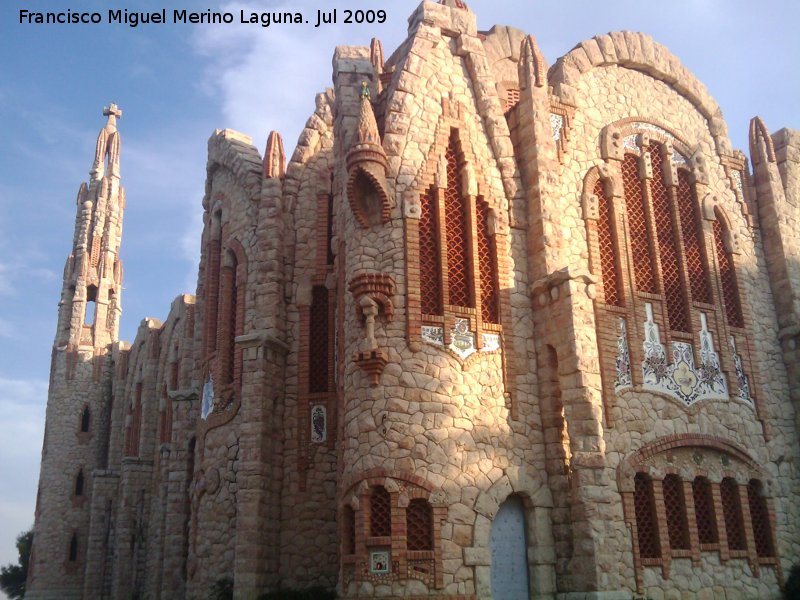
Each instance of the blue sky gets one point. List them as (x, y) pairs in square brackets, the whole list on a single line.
[(176, 84)]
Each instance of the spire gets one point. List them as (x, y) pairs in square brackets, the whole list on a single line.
[(274, 157), (366, 166), (113, 112)]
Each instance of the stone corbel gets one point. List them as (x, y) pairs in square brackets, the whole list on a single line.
[(611, 143), (412, 208), (470, 183), (697, 164), (669, 166), (645, 165), (547, 289)]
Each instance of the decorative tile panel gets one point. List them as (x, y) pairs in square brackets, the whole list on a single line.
[(319, 424), (462, 339), (557, 124), (680, 378), (743, 383), (208, 398), (623, 361)]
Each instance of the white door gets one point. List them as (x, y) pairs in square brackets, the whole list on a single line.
[(509, 552)]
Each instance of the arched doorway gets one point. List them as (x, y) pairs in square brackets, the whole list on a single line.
[(509, 552)]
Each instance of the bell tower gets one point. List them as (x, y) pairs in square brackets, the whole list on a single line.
[(79, 398)]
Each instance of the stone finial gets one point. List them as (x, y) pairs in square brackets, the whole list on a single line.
[(376, 55), (274, 157), (113, 112), (455, 4), (366, 167), (532, 68), (759, 134)]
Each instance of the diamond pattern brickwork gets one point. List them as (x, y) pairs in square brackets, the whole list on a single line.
[(692, 245), (640, 242), (704, 511), (487, 265), (677, 309), (727, 275), (318, 341), (429, 267), (456, 234), (732, 513), (762, 532), (419, 521), (646, 524), (608, 267), (675, 504), (380, 513)]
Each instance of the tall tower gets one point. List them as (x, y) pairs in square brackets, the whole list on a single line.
[(78, 404)]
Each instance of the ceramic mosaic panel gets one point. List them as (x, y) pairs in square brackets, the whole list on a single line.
[(681, 378), (319, 424), (623, 361), (557, 124), (743, 383), (208, 398)]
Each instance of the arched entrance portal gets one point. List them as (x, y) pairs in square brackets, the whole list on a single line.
[(509, 552)]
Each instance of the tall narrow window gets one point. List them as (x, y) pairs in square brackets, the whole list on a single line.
[(677, 309), (704, 511), (419, 525), (605, 238), (429, 268), (675, 503), (692, 239), (349, 533), (72, 555), (457, 234), (79, 483), (134, 427), (318, 353), (762, 531), (329, 236), (646, 524), (727, 275), (643, 264), (86, 419), (229, 314), (213, 250), (487, 264), (380, 513), (732, 513), (91, 305)]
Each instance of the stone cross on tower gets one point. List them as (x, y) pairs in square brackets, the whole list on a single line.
[(113, 112)]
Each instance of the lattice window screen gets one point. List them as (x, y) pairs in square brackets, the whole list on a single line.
[(727, 275), (692, 240), (419, 521), (430, 277), (677, 309), (732, 513), (704, 511), (457, 233), (318, 353), (487, 265), (646, 523), (608, 266), (380, 513), (762, 532), (643, 269), (675, 503)]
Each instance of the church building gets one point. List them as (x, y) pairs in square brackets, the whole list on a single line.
[(494, 330)]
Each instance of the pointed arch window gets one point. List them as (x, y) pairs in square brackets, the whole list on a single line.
[(646, 522), (86, 420), (72, 552), (79, 481), (727, 274), (458, 256), (230, 320), (612, 284), (319, 356)]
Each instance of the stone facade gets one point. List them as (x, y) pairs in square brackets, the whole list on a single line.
[(477, 284)]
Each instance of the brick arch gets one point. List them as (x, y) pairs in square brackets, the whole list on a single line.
[(639, 52), (628, 468), (379, 476)]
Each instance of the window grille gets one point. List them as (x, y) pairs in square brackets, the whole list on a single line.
[(643, 269), (675, 504), (608, 267), (704, 511), (646, 523), (456, 233), (727, 275), (380, 513), (677, 309), (487, 264), (318, 341), (429, 258), (419, 521), (732, 513), (692, 240), (762, 532)]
